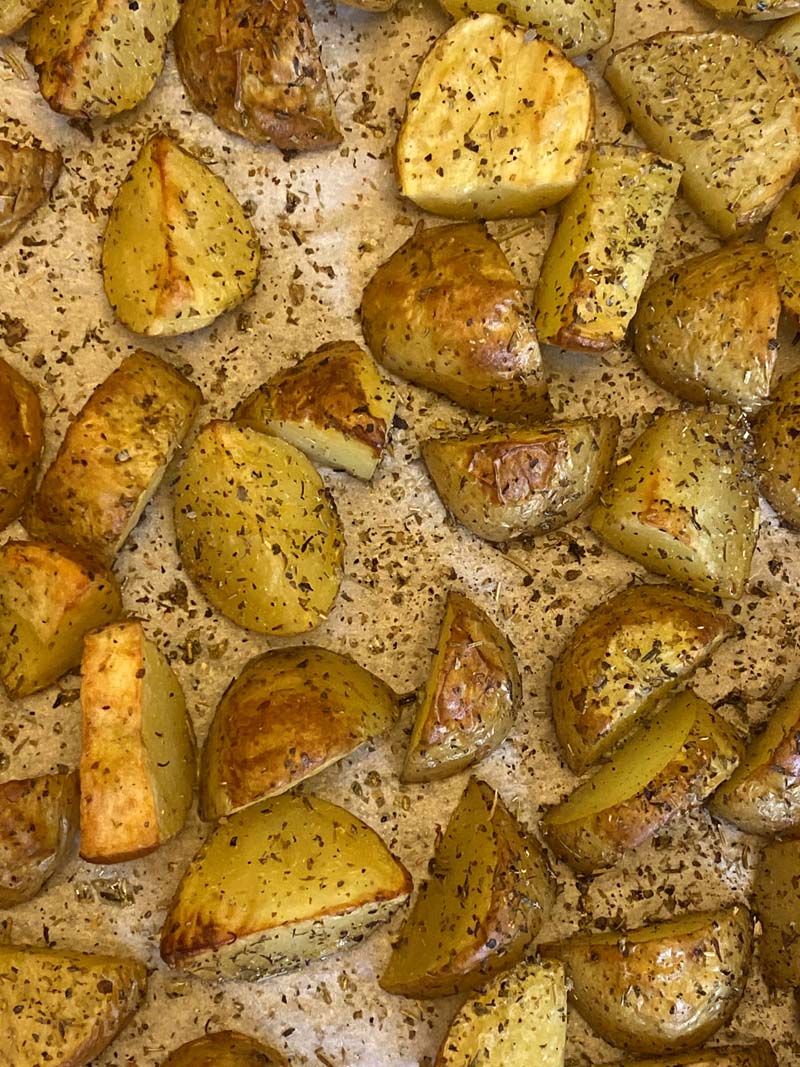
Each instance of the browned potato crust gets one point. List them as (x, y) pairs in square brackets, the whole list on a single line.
[(27, 177), (21, 440), (776, 430), (225, 1048)]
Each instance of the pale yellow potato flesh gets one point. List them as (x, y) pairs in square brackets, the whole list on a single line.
[(758, 1055), (784, 36), (225, 1048), (783, 240), (15, 14), (752, 10), (21, 442), (576, 28), (776, 429), (776, 901)]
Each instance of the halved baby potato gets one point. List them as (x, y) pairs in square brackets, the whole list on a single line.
[(576, 28), (225, 1048), (758, 1055), (28, 174), (783, 240), (776, 901), (15, 13), (498, 123), (21, 441), (776, 430)]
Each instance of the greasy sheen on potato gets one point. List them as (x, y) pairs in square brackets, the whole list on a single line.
[(499, 123), (280, 884), (255, 68), (27, 177), (776, 901), (601, 253), (725, 107), (178, 249), (776, 430), (576, 28), (525, 480), (489, 893), (783, 240), (21, 441), (225, 1048), (15, 13), (113, 456), (446, 311), (257, 530), (758, 1055)]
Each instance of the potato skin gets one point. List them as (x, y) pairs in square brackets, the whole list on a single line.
[(574, 28), (784, 37), (752, 10), (776, 901), (27, 177), (21, 441), (225, 1048), (783, 233), (758, 1055), (775, 432)]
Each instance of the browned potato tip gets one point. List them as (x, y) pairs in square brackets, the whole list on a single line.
[(27, 177), (21, 441), (15, 13), (225, 1048), (758, 1055), (775, 432), (576, 28)]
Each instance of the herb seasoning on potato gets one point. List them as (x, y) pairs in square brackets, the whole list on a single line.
[(225, 1048), (776, 429), (21, 442), (576, 28)]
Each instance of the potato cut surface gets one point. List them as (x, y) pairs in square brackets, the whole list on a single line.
[(21, 442), (225, 1048), (775, 432), (576, 28)]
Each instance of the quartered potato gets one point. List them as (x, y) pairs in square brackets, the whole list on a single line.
[(663, 987), (138, 762), (27, 177), (51, 596), (280, 884), (603, 247), (38, 823), (681, 502), (471, 697), (257, 530), (96, 58), (15, 13), (783, 240), (708, 329), (776, 901), (725, 107), (254, 67), (489, 892), (178, 249), (21, 441), (624, 657), (776, 430), (334, 405), (225, 1048), (758, 1055), (498, 123), (114, 455), (291, 713), (514, 482), (576, 28), (784, 36), (446, 311)]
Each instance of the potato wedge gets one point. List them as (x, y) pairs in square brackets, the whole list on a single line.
[(64, 1008), (471, 697), (489, 892), (784, 37), (138, 755), (28, 175), (38, 824), (776, 901), (267, 550), (15, 14), (574, 28), (683, 505), (663, 987), (21, 441), (518, 1020), (499, 123), (752, 10), (50, 597), (775, 432), (783, 239), (666, 767), (758, 1055), (708, 330), (114, 456), (291, 713), (178, 249), (446, 311), (623, 659), (334, 405), (519, 482), (280, 884), (225, 1048), (603, 247), (725, 107), (255, 68)]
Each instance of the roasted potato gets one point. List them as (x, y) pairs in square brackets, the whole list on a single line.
[(777, 904), (776, 429), (114, 455), (603, 247), (515, 482), (38, 823), (752, 10), (15, 14), (225, 1048), (574, 28), (50, 597), (291, 713), (666, 767), (21, 440), (784, 36), (498, 123), (334, 405), (489, 892), (725, 107), (446, 311), (471, 697), (783, 240), (27, 177), (758, 1055), (280, 884), (178, 249), (663, 987), (518, 1020), (708, 330), (255, 68), (681, 502), (257, 531)]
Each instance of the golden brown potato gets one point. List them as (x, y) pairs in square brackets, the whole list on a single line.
[(178, 249), (489, 892), (280, 884), (334, 405), (752, 10), (446, 311), (758, 1055), (603, 247), (784, 36), (291, 713), (576, 28), (255, 68), (708, 329), (783, 240), (498, 123), (21, 440), (663, 987), (15, 13), (471, 697), (624, 657), (51, 596), (225, 1048), (27, 177), (519, 482), (113, 456), (725, 107), (38, 823), (682, 502), (776, 429), (776, 901)]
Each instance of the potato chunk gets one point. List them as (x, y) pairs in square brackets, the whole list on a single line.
[(775, 432), (27, 177), (752, 10), (21, 441), (725, 107), (498, 124), (758, 1055), (784, 37), (15, 13), (576, 28), (783, 241), (225, 1048), (777, 904)]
